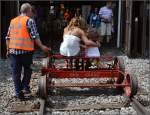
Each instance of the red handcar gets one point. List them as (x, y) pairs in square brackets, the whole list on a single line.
[(81, 67)]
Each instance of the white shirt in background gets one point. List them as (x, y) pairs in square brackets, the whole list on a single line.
[(106, 12)]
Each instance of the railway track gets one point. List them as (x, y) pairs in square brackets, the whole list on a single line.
[(81, 107), (101, 106), (42, 106), (137, 106), (45, 108)]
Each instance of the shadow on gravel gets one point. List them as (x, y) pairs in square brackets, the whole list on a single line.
[(88, 92), (62, 96)]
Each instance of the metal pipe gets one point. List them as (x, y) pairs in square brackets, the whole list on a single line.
[(119, 19), (135, 45), (0, 32), (87, 85), (18, 7), (140, 109)]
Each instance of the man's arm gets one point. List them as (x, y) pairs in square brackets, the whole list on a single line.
[(7, 44), (35, 35), (7, 38), (7, 41), (43, 47)]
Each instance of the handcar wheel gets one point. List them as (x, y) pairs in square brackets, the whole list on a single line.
[(118, 61), (43, 87), (134, 84), (132, 79), (122, 69), (120, 81), (121, 64)]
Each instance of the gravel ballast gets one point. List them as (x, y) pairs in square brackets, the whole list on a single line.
[(139, 67)]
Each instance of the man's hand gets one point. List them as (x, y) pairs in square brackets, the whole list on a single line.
[(7, 53), (45, 48)]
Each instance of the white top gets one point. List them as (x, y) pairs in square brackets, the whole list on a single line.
[(70, 45), (92, 52), (107, 12)]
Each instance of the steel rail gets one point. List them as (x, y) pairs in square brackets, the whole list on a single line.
[(42, 107), (84, 85), (139, 108)]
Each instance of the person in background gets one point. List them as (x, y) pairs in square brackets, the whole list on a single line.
[(67, 15), (106, 16), (95, 19), (34, 12), (78, 15), (20, 39)]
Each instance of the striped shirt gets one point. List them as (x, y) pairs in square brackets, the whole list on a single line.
[(31, 26), (106, 12)]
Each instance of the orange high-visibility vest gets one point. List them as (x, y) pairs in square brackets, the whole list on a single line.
[(19, 35)]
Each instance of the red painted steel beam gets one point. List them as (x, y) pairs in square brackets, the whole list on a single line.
[(80, 57), (53, 73), (87, 85)]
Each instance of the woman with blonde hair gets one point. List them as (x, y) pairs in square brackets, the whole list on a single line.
[(73, 35)]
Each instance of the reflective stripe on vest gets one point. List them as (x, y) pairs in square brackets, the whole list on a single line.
[(19, 35)]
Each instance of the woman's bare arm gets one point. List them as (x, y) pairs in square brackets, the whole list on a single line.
[(86, 40)]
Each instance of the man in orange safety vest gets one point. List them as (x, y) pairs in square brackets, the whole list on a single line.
[(20, 39)]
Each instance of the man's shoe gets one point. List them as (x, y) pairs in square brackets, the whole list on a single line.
[(26, 91), (20, 96), (27, 94)]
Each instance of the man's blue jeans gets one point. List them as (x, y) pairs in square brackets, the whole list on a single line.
[(19, 62)]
